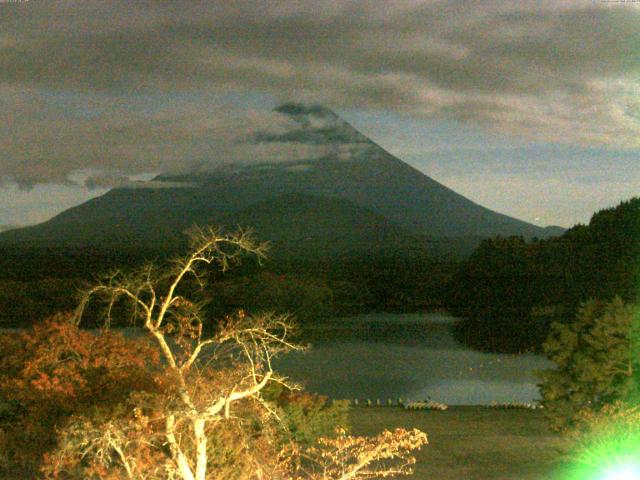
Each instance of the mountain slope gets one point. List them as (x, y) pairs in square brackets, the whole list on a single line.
[(347, 172), (302, 225)]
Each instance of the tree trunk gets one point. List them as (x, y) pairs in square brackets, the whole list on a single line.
[(201, 448), (176, 452)]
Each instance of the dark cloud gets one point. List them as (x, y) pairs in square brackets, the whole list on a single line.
[(49, 137), (552, 70)]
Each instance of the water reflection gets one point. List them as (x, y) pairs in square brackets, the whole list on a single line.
[(412, 356)]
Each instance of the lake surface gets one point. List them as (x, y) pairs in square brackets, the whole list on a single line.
[(413, 356)]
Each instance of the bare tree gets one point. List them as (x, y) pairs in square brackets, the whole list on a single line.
[(207, 377), (165, 315)]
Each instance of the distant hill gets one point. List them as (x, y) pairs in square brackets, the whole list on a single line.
[(354, 196)]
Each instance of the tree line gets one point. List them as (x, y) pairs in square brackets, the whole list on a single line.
[(510, 291), (37, 283)]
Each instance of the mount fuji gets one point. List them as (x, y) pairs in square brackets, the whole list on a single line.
[(348, 195)]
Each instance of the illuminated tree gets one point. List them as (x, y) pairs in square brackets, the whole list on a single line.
[(208, 417), (347, 457)]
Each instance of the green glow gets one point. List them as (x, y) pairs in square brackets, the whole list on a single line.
[(611, 452), (625, 471)]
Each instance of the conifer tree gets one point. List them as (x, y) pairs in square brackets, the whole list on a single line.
[(596, 358)]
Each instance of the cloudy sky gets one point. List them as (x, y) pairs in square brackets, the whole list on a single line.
[(531, 108)]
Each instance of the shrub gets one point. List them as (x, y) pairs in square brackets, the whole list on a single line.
[(53, 371), (308, 416), (345, 457), (595, 360)]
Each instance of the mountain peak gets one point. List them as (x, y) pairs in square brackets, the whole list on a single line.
[(301, 109), (315, 125)]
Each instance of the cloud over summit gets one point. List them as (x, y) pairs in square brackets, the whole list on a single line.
[(132, 87)]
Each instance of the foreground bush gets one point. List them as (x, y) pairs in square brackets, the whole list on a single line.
[(54, 371), (307, 416), (597, 362)]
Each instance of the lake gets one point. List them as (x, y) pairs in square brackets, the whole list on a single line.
[(413, 356)]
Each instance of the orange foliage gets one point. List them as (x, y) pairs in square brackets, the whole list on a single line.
[(63, 364), (54, 370), (348, 457), (94, 406)]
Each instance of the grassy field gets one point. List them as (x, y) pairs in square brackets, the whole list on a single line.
[(473, 443)]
